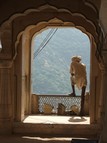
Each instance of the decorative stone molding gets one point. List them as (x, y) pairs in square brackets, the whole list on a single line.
[(6, 40), (105, 43), (6, 63), (30, 17), (104, 55), (71, 5)]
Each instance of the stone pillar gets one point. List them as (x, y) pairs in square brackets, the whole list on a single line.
[(103, 21), (103, 100), (35, 104), (6, 97), (103, 15)]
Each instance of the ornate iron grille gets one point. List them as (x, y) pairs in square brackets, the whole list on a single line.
[(53, 100)]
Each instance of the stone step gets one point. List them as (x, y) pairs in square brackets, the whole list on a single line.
[(62, 130)]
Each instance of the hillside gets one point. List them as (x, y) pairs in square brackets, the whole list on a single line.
[(50, 67)]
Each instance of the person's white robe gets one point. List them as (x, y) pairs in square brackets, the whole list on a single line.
[(79, 71)]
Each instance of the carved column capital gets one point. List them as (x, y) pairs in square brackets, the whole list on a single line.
[(103, 100), (104, 55), (103, 63), (6, 63)]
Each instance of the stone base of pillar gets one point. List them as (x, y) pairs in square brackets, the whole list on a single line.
[(5, 126)]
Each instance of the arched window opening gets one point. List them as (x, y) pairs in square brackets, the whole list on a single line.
[(52, 51)]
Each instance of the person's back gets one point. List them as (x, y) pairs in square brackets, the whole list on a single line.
[(78, 78), (79, 68), (79, 71)]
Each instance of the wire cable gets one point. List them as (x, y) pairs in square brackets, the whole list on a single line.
[(45, 41)]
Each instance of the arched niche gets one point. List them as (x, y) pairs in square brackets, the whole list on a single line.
[(21, 27), (24, 39), (18, 22)]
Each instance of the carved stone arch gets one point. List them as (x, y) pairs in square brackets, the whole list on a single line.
[(19, 22), (32, 29), (77, 18), (17, 25), (55, 22)]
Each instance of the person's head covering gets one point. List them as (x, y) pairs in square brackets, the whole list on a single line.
[(76, 58)]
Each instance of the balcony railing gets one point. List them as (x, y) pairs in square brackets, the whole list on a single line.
[(38, 102)]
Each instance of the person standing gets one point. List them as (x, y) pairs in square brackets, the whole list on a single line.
[(78, 78)]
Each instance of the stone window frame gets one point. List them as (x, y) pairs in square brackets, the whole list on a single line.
[(29, 33), (14, 38)]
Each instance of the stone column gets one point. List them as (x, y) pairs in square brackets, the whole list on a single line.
[(103, 22), (35, 104), (103, 15), (103, 100), (6, 97)]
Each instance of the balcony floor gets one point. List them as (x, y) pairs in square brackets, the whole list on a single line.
[(57, 126), (54, 119)]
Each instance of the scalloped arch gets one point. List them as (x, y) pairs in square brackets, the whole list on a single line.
[(77, 18), (91, 7), (45, 14)]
